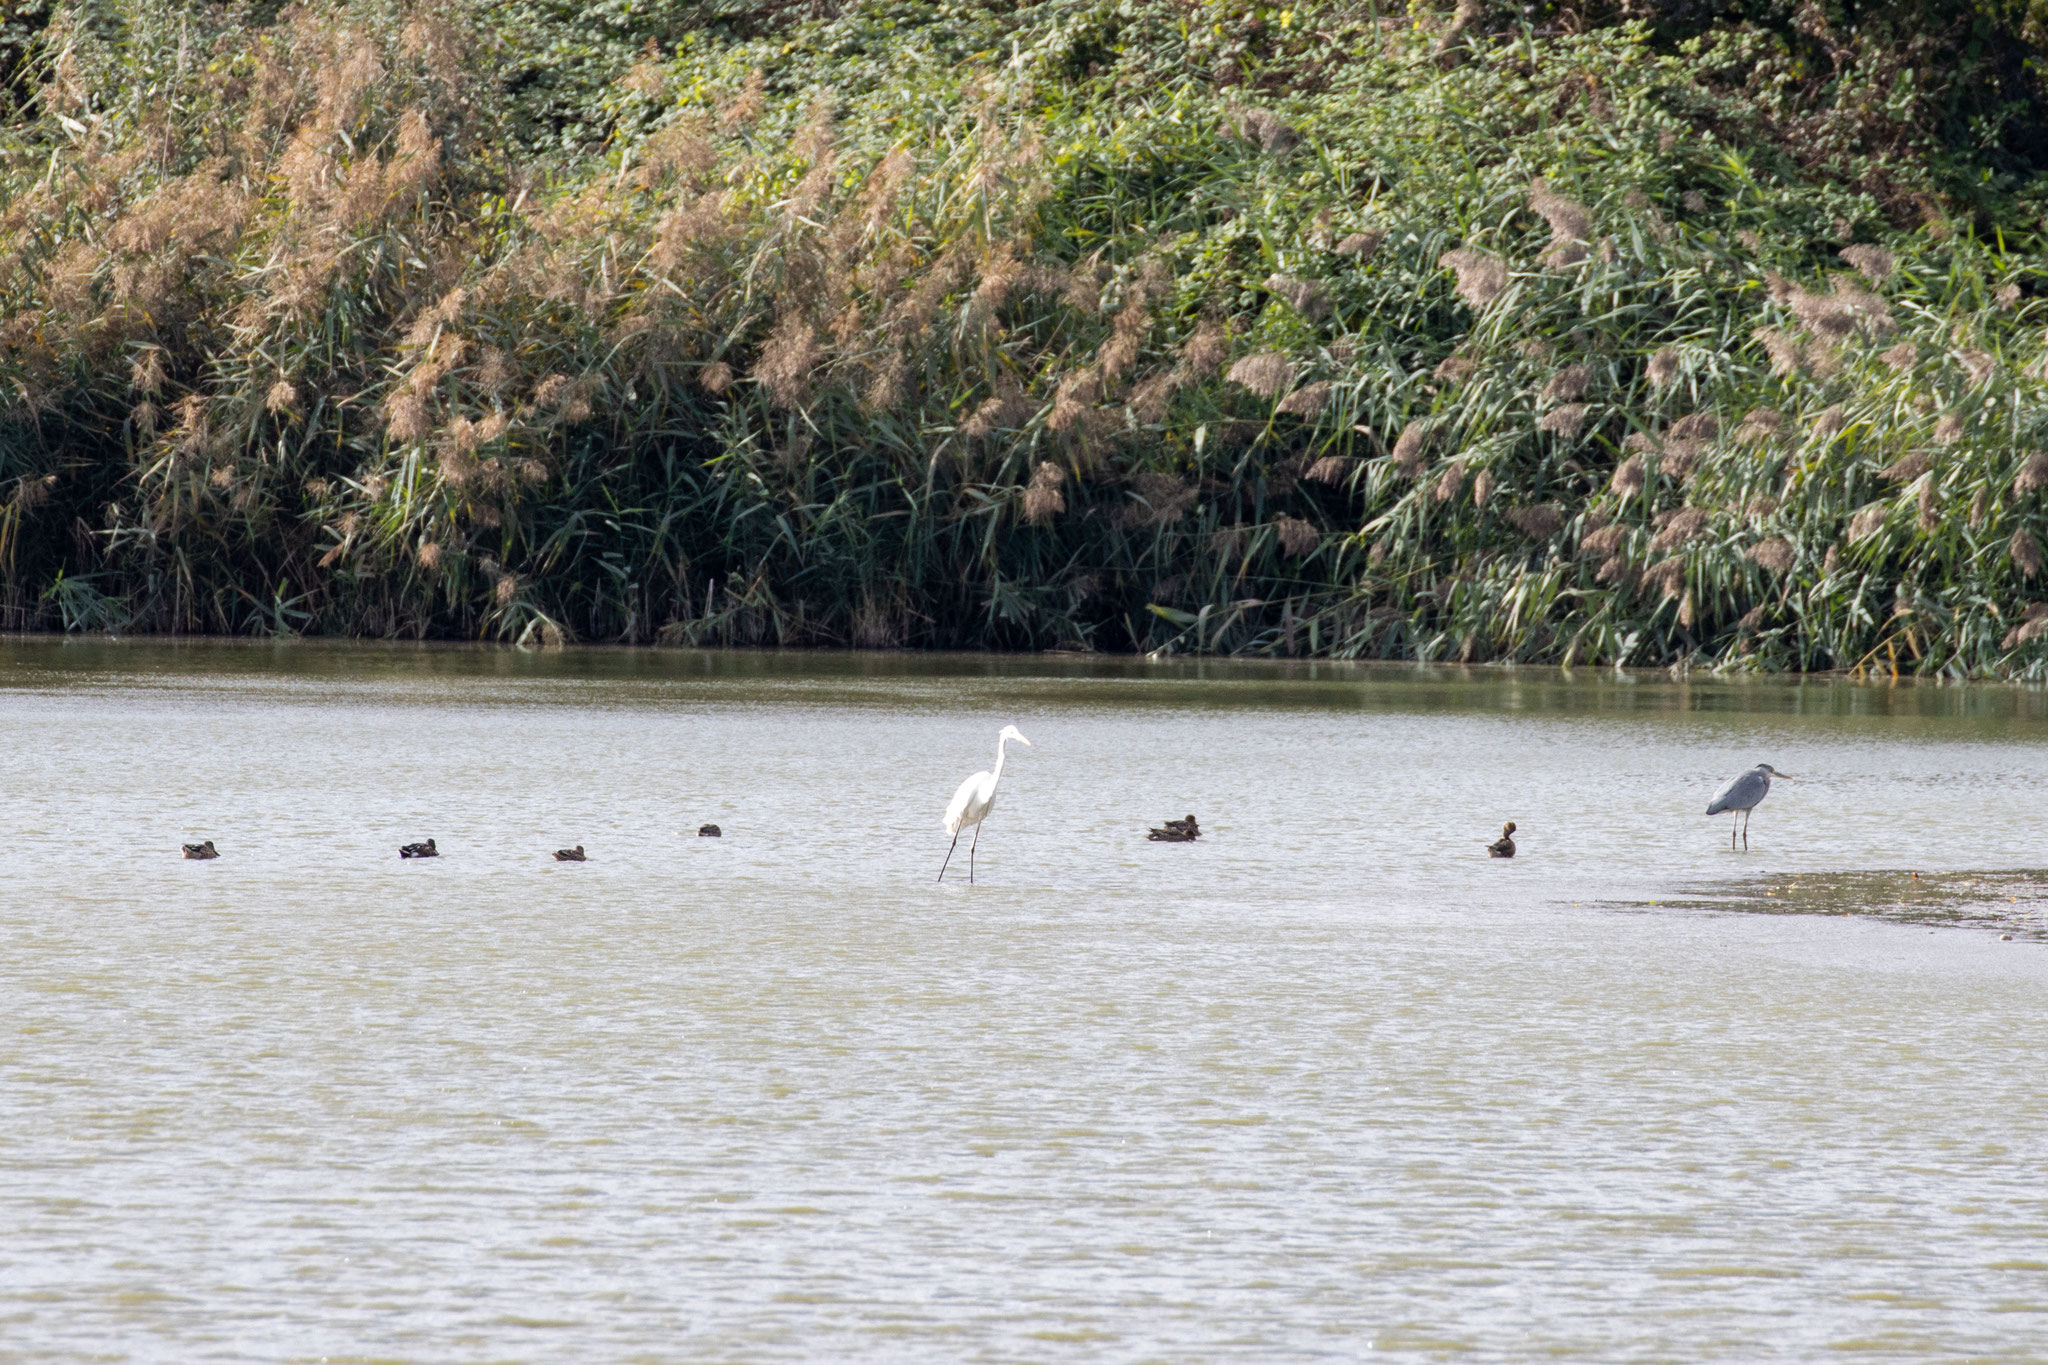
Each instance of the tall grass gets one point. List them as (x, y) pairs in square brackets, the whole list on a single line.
[(1474, 345)]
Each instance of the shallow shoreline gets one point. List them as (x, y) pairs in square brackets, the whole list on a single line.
[(2011, 901)]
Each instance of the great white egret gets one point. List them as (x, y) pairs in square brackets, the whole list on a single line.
[(972, 803), (1742, 796), (1503, 847)]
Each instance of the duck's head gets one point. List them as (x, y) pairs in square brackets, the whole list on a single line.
[(1507, 829)]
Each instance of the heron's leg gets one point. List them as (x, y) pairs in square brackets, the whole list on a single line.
[(1745, 830), (972, 844), (949, 857), (1735, 818)]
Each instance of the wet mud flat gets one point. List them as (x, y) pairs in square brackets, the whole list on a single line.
[(2009, 901)]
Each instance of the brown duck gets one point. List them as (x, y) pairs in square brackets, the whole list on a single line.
[(422, 850), (1503, 847), (571, 855), (202, 851), (710, 832), (1176, 832)]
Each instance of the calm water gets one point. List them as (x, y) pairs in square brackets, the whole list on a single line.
[(1329, 1082)]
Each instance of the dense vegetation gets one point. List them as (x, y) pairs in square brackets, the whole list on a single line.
[(1695, 331)]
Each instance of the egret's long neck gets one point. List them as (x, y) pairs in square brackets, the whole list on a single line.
[(996, 773)]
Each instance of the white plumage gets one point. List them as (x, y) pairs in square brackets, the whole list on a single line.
[(973, 801)]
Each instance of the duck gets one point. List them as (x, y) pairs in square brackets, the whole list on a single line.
[(425, 850), (1176, 832), (571, 855), (710, 832), (202, 851), (1503, 847)]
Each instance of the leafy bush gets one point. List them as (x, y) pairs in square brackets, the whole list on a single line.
[(1163, 324)]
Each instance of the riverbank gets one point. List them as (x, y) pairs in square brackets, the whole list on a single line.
[(1054, 327), (2013, 903)]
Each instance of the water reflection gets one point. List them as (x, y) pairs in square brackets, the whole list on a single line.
[(29, 662)]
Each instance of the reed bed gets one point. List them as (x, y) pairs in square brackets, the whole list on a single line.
[(1060, 328)]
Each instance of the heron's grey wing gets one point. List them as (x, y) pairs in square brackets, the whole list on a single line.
[(1741, 794)]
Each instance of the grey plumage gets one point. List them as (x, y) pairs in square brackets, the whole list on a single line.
[(1742, 796), (1744, 792)]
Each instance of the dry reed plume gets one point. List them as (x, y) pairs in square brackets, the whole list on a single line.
[(1571, 225), (1267, 374), (300, 336), (1481, 278)]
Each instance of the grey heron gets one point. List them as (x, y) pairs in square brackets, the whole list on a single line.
[(1742, 796), (973, 801)]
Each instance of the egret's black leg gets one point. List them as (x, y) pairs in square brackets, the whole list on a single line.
[(972, 844), (949, 857)]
